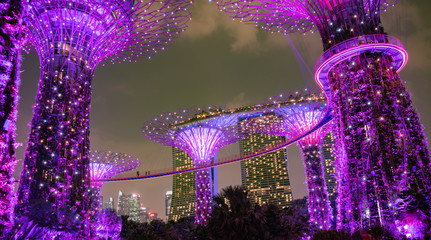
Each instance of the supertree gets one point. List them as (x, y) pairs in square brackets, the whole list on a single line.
[(294, 115), (104, 165), (71, 37), (11, 41), (201, 132), (383, 148)]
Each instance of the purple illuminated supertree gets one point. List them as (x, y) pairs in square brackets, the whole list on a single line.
[(383, 147), (201, 132), (108, 224), (11, 34), (71, 38), (104, 165), (296, 115)]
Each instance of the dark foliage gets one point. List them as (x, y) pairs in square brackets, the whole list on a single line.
[(331, 235), (157, 229), (234, 217)]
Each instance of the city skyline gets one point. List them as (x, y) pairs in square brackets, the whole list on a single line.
[(116, 126)]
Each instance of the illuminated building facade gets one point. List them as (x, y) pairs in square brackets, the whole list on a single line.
[(134, 206), (129, 205), (265, 177), (183, 187), (146, 216), (109, 204), (183, 198), (168, 201), (122, 204), (200, 132)]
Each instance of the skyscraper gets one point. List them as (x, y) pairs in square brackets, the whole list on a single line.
[(129, 205), (109, 204), (122, 204), (329, 156), (183, 187), (183, 200), (168, 200), (266, 177), (134, 206)]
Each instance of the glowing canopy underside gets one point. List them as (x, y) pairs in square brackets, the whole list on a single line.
[(106, 164), (110, 31), (296, 114), (198, 131), (287, 16), (208, 129)]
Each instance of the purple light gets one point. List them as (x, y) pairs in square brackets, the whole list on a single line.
[(106, 164), (71, 38), (11, 29), (295, 115), (202, 143), (382, 148), (107, 225), (412, 226), (201, 132)]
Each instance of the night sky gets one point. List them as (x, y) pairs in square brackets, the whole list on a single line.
[(217, 61)]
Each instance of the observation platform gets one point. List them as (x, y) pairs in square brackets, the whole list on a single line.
[(377, 43)]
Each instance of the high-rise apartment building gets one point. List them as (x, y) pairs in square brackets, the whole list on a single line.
[(329, 157), (129, 205), (183, 201), (266, 177)]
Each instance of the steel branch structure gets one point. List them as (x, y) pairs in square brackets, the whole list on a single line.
[(71, 37), (383, 151), (298, 113), (201, 132), (106, 164)]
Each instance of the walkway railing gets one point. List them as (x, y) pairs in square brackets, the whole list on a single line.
[(223, 161), (353, 42)]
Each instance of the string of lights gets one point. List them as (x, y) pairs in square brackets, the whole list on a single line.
[(383, 148), (71, 39)]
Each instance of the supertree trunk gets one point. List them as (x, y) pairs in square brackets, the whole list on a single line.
[(203, 195), (11, 34), (384, 145), (318, 202), (344, 219), (56, 159)]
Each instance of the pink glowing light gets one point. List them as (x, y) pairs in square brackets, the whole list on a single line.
[(106, 164), (201, 132), (354, 47)]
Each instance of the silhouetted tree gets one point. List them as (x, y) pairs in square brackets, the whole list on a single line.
[(233, 216)]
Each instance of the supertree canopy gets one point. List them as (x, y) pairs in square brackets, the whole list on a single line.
[(383, 148), (295, 115), (106, 164), (71, 38), (11, 40), (201, 132)]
